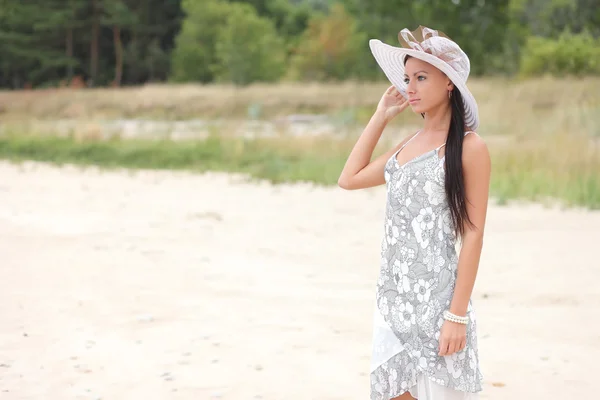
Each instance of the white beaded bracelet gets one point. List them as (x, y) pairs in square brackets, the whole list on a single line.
[(455, 318)]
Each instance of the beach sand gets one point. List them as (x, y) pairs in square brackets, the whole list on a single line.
[(173, 285)]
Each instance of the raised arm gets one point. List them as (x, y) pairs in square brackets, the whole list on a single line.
[(359, 171)]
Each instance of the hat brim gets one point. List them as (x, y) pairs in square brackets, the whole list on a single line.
[(391, 61)]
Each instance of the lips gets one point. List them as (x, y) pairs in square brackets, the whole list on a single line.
[(412, 101)]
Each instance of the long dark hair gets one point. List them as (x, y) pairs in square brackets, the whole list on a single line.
[(454, 179)]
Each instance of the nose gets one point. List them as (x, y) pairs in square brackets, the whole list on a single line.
[(410, 88)]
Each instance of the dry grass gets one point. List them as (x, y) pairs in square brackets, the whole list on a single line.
[(544, 134), (506, 106)]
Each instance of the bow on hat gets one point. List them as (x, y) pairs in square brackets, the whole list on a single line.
[(415, 39), (430, 41)]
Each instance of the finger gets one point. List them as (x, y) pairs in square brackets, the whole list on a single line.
[(390, 90), (463, 344), (452, 347), (443, 347), (456, 346)]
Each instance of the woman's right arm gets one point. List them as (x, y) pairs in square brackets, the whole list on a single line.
[(359, 172)]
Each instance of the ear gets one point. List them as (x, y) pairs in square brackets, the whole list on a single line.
[(450, 85)]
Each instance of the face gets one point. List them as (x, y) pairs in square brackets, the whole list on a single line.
[(426, 84)]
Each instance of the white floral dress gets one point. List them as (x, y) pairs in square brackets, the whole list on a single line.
[(416, 283)]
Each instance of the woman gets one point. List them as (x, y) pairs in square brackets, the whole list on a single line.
[(424, 336)]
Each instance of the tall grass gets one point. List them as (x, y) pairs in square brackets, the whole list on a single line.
[(505, 106), (543, 134), (562, 167)]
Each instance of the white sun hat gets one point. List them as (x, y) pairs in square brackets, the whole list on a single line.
[(435, 48)]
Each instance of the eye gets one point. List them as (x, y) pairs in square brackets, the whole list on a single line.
[(421, 76), (406, 80)]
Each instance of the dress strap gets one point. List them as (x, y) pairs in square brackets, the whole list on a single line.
[(408, 141), (438, 148)]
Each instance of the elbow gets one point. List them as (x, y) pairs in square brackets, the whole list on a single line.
[(474, 238), (344, 183)]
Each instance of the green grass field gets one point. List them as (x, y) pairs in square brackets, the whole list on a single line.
[(517, 173)]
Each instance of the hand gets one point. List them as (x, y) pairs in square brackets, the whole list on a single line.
[(392, 103), (453, 338)]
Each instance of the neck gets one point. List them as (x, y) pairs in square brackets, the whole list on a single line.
[(438, 119)]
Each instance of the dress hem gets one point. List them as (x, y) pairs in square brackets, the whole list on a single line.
[(414, 384)]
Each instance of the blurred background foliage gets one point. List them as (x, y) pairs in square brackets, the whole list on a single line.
[(49, 43)]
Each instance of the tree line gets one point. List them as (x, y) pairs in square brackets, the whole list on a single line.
[(47, 43)]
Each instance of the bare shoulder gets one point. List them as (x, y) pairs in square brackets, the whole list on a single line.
[(475, 152), (406, 139), (397, 146)]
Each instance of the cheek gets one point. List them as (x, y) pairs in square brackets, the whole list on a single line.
[(432, 94)]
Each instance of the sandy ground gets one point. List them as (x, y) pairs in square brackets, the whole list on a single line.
[(163, 285)]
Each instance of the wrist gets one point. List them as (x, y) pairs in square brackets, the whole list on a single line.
[(456, 310), (380, 116), (450, 316)]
